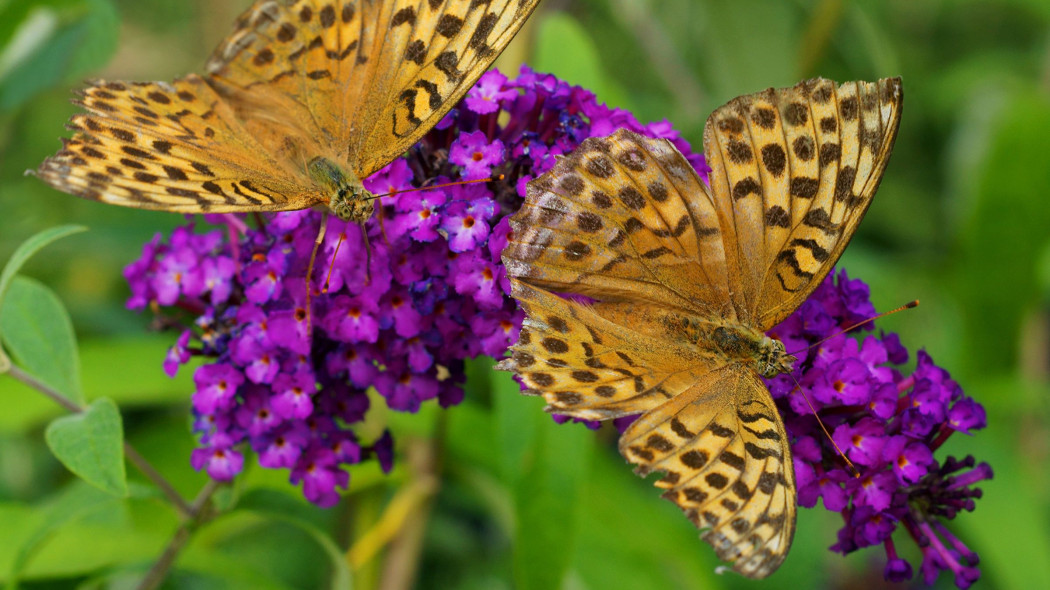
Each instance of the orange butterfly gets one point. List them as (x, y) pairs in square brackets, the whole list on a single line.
[(686, 278), (299, 103)]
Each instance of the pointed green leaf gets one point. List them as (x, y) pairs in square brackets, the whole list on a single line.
[(91, 445), (545, 466), (1007, 212), (37, 331), (30, 247), (72, 504), (47, 43)]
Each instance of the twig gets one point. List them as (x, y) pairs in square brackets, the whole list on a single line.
[(140, 462), (44, 388), (159, 571)]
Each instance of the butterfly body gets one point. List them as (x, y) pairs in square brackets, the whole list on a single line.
[(764, 355), (348, 199), (683, 279)]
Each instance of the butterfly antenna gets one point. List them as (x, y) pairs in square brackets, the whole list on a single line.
[(798, 388), (498, 177), (310, 270), (907, 305)]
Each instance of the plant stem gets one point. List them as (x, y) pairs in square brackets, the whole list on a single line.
[(133, 456), (45, 389), (199, 515), (140, 462)]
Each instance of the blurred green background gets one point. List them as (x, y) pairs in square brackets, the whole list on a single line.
[(962, 223)]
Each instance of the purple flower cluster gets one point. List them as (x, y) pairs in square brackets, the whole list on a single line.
[(888, 423), (402, 311)]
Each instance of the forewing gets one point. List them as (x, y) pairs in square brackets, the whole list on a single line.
[(366, 77), (623, 218), (170, 146), (793, 171), (724, 452)]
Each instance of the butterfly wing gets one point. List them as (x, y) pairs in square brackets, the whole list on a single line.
[(592, 362), (623, 218), (711, 426), (793, 172), (366, 77), (724, 452), (171, 146)]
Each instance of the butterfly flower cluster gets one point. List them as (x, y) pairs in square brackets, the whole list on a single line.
[(408, 299), (889, 423)]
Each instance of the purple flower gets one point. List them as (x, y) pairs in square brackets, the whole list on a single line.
[(353, 319), (178, 274), (466, 224), (491, 89), (293, 395), (897, 569), (384, 451), (419, 213), (281, 449), (222, 463), (178, 354), (826, 485), (256, 415), (318, 471), (410, 296), (862, 442), (216, 387), (888, 423), (476, 154), (910, 460)]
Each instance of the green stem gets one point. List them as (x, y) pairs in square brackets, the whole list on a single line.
[(199, 516), (133, 456)]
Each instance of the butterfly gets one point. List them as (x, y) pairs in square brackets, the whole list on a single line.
[(303, 100), (681, 280)]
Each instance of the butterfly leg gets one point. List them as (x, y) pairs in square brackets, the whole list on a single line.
[(379, 214), (310, 270), (368, 253)]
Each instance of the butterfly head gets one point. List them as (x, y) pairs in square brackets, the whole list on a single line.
[(348, 198), (773, 358)]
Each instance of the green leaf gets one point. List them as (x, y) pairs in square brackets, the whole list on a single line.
[(52, 42), (74, 504), (37, 331), (1014, 500), (282, 507), (545, 465), (138, 383), (564, 48), (30, 247), (91, 445), (630, 537), (1002, 236), (733, 68)]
